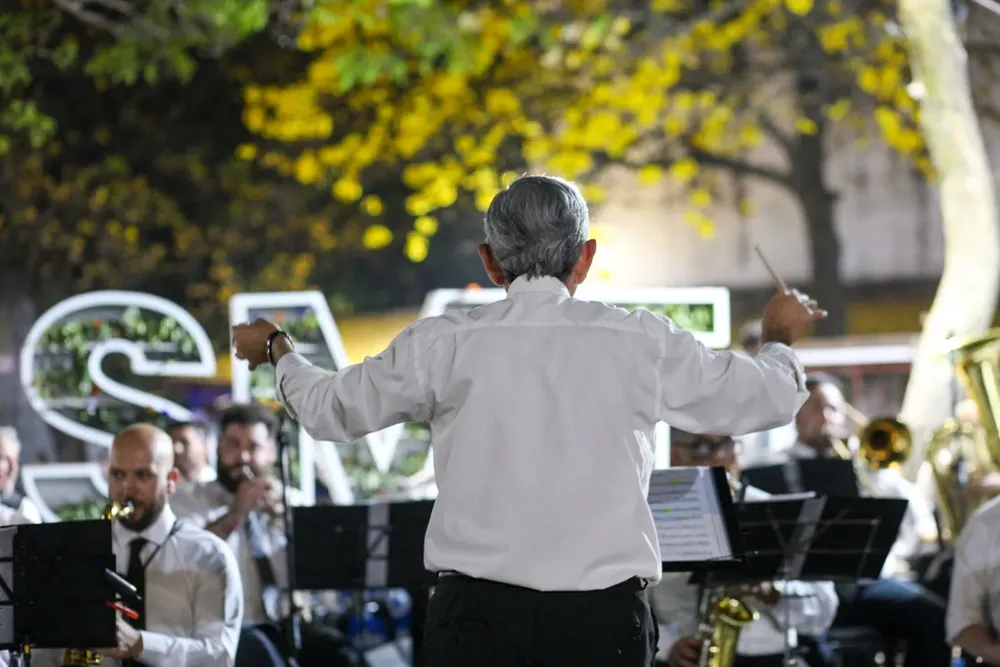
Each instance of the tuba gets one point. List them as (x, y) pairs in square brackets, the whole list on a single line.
[(80, 657), (960, 452), (722, 622)]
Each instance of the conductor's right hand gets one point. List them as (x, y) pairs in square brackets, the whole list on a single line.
[(249, 494), (685, 652), (788, 315)]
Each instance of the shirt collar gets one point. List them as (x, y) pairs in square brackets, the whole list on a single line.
[(523, 284), (157, 532)]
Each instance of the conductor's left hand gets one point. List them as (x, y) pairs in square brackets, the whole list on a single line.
[(250, 341), (129, 642)]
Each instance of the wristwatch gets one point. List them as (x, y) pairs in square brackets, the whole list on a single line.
[(270, 343)]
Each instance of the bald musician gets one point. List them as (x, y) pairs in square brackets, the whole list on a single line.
[(192, 606)]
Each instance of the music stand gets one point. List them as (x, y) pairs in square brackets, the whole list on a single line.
[(825, 477), (853, 539), (363, 547), (54, 586)]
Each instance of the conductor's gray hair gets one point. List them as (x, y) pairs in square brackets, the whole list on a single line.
[(537, 227)]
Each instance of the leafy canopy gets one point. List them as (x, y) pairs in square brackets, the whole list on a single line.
[(453, 97)]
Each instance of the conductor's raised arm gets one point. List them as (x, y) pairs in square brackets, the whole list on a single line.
[(729, 393), (345, 405)]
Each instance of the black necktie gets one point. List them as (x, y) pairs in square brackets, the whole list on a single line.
[(257, 540), (136, 575)]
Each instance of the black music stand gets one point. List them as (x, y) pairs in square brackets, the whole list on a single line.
[(365, 547), (57, 590), (825, 477), (853, 539)]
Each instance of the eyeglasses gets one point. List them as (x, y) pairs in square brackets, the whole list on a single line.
[(704, 447)]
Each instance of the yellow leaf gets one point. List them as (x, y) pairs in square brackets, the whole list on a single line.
[(416, 247), (426, 225), (372, 205), (868, 79), (701, 198), (347, 189), (307, 169), (684, 170), (701, 222), (806, 126), (376, 237), (799, 7), (246, 152), (594, 193), (745, 208), (650, 174), (750, 135), (838, 110)]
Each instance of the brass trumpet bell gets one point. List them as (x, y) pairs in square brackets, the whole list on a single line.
[(116, 510), (885, 442)]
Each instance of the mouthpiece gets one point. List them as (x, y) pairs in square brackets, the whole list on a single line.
[(118, 510), (248, 472)]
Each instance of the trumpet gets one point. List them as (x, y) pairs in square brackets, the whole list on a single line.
[(85, 657), (264, 506)]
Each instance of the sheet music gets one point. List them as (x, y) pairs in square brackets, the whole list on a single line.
[(689, 521)]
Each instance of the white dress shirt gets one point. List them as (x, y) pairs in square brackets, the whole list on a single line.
[(202, 504), (974, 598), (542, 410), (810, 608), (194, 602), (918, 524), (766, 447)]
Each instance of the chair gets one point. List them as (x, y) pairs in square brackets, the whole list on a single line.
[(857, 646)]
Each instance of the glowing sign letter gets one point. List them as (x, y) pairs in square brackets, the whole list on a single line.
[(62, 359)]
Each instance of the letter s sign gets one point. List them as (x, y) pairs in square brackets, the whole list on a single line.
[(158, 338)]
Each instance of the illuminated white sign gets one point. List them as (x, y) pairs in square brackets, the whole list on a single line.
[(110, 305), (715, 331)]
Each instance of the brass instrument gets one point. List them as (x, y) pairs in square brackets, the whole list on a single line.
[(80, 657), (959, 452), (883, 442), (723, 619)]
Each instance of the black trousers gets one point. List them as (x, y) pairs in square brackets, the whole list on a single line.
[(473, 622)]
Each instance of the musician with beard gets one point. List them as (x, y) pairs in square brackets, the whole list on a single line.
[(243, 507), (192, 602)]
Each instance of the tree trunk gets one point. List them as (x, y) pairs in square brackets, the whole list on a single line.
[(818, 205), (967, 294)]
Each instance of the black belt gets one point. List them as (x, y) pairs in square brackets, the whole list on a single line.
[(635, 583)]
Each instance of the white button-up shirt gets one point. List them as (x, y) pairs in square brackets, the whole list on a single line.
[(193, 601), (809, 607), (975, 581), (205, 503), (542, 409)]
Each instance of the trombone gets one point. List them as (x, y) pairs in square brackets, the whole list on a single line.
[(883, 443)]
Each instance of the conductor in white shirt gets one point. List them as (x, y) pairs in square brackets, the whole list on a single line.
[(542, 409)]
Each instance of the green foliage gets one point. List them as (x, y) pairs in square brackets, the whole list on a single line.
[(159, 41), (83, 512)]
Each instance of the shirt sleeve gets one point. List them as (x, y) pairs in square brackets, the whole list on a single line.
[(347, 404), (976, 560), (724, 392), (218, 606)]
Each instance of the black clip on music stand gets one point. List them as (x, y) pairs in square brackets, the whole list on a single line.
[(54, 585), (362, 547)]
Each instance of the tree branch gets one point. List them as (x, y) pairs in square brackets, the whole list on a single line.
[(741, 167)]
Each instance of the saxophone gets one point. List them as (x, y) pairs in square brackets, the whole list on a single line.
[(723, 619), (80, 657)]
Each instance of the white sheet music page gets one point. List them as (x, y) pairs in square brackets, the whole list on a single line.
[(689, 521)]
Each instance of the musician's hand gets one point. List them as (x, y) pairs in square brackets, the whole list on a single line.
[(129, 642), (766, 593), (250, 341), (685, 652), (788, 315), (249, 494)]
